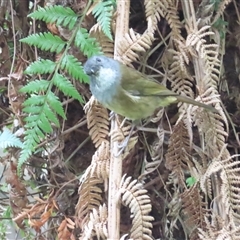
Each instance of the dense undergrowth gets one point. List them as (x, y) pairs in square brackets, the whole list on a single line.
[(179, 181)]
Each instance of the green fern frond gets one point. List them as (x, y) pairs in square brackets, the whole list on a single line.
[(66, 86), (35, 86), (74, 68), (56, 104), (103, 13), (24, 155), (7, 139), (51, 115), (44, 122), (31, 139), (45, 41), (87, 45), (34, 100), (40, 116), (44, 110), (32, 110), (41, 67), (43, 107), (35, 110), (61, 15)]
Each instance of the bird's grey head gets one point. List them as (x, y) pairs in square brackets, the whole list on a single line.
[(105, 76), (93, 65)]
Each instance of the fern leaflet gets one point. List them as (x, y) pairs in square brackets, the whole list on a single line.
[(45, 41), (61, 15), (56, 104), (35, 86), (88, 45), (41, 67), (103, 13), (7, 139), (74, 68), (66, 86)]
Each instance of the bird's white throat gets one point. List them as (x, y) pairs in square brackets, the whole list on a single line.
[(105, 85), (107, 78)]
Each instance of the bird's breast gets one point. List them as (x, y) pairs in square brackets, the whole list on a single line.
[(104, 87)]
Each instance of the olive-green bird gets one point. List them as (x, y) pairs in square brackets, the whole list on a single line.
[(128, 92)]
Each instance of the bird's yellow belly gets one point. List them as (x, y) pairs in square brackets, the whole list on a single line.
[(134, 110)]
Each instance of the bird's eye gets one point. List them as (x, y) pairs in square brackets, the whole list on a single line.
[(98, 60)]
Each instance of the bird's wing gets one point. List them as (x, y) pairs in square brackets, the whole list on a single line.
[(138, 84)]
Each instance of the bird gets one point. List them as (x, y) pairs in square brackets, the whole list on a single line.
[(129, 92)]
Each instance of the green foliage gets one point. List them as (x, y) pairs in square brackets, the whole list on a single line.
[(43, 108), (191, 181), (66, 86), (88, 45), (74, 68), (215, 3), (221, 25), (35, 86), (56, 14), (43, 111), (40, 67), (45, 41), (7, 139), (4, 223), (103, 13)]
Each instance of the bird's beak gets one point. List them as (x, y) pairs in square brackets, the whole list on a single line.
[(89, 70)]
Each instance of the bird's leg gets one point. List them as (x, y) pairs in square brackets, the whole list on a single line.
[(125, 142)]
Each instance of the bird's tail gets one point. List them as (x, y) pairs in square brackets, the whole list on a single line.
[(193, 102)]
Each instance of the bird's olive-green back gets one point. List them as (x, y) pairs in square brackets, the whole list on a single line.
[(138, 97), (139, 84)]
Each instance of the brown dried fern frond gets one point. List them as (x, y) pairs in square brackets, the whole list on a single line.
[(174, 208), (219, 230), (156, 154), (153, 11), (200, 166), (167, 9), (211, 127), (38, 214), (89, 197), (177, 157), (206, 67), (135, 197), (181, 80), (121, 133), (65, 228), (132, 43), (97, 121), (96, 225), (172, 17), (101, 162), (205, 59), (194, 210), (105, 43), (197, 37), (229, 172)]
